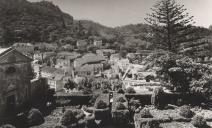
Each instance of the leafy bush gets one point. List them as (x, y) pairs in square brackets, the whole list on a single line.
[(186, 112), (72, 117), (121, 91), (121, 99), (68, 118), (35, 117), (105, 91), (7, 126), (91, 122), (145, 113), (134, 105), (101, 105), (120, 106), (199, 122), (150, 123), (184, 74), (157, 98), (130, 90)]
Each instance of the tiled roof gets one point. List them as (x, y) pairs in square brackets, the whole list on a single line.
[(90, 58), (2, 50), (52, 70)]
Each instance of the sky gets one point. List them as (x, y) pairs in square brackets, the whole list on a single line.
[(115, 13)]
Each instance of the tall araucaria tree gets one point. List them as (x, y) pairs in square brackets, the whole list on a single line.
[(171, 25)]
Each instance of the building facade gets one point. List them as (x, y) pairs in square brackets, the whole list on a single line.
[(15, 75)]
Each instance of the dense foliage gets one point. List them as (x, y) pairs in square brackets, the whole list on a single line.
[(35, 117), (199, 122), (184, 74), (185, 111)]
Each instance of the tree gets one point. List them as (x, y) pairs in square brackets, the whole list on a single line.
[(70, 85), (170, 25)]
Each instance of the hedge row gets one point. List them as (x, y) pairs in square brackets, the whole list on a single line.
[(102, 113), (120, 112), (72, 99)]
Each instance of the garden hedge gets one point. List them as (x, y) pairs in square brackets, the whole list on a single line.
[(120, 112), (102, 114)]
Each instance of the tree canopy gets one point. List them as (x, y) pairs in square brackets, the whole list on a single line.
[(170, 25)]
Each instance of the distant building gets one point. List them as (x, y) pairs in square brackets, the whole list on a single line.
[(105, 52), (15, 76), (89, 58), (46, 46), (65, 61), (25, 48), (68, 47), (89, 64), (54, 77), (97, 43), (43, 55), (82, 44)]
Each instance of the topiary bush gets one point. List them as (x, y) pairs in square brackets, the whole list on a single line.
[(91, 122), (130, 90), (7, 126), (101, 105), (150, 123), (157, 98), (145, 113), (199, 122), (121, 91), (186, 112), (121, 99), (34, 117), (120, 106), (68, 118)]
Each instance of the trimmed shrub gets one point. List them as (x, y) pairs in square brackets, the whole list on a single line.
[(199, 122), (150, 123), (7, 126), (120, 106), (130, 90), (121, 99), (34, 117), (91, 122), (186, 112), (60, 126), (157, 98), (121, 91), (145, 113), (68, 118), (105, 91), (101, 105), (81, 123)]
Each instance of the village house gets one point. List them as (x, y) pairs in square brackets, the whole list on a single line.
[(43, 55), (105, 52), (97, 43), (68, 47), (54, 77), (46, 46), (65, 61), (89, 64), (81, 44), (15, 76), (25, 48)]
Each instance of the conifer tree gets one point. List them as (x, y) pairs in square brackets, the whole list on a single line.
[(170, 24)]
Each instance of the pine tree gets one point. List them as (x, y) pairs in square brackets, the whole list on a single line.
[(170, 25)]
